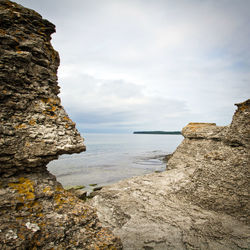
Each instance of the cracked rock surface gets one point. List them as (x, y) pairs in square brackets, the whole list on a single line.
[(200, 202)]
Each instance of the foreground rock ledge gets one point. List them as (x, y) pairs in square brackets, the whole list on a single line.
[(35, 211), (200, 202)]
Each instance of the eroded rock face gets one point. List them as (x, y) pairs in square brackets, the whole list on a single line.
[(34, 127), (200, 202), (35, 211), (221, 157)]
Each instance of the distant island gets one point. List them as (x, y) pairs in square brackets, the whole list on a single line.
[(158, 132)]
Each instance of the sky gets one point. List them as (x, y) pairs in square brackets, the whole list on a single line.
[(129, 65)]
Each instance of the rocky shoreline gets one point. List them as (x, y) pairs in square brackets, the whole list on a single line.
[(146, 214), (200, 202), (85, 192), (35, 211)]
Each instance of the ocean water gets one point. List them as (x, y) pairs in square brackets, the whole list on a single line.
[(113, 157)]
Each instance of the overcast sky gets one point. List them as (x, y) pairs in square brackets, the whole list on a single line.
[(150, 64)]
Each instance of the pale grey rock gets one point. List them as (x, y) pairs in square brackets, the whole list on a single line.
[(32, 226), (200, 202), (79, 193), (221, 157), (146, 214)]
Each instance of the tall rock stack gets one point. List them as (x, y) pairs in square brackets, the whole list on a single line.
[(34, 126), (221, 157), (35, 211)]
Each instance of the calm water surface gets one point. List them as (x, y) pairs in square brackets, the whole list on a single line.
[(112, 157)]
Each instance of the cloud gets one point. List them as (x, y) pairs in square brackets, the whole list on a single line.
[(155, 64), (119, 104)]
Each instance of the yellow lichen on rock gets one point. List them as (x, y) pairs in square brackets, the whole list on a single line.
[(20, 126), (32, 122), (198, 125), (25, 187)]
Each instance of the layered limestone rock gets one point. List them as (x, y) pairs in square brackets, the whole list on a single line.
[(200, 202), (35, 211), (34, 126), (221, 156)]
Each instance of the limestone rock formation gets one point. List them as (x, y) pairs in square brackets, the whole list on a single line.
[(34, 126), (35, 211), (200, 202), (221, 156)]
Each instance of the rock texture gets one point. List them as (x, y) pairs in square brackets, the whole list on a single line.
[(200, 202), (34, 126), (35, 211), (221, 157)]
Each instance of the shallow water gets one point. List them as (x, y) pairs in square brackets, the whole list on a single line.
[(113, 157)]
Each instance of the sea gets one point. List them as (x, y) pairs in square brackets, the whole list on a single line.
[(113, 157)]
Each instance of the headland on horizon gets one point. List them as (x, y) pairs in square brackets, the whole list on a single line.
[(158, 132)]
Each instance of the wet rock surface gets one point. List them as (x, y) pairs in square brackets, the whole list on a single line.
[(200, 202), (35, 211)]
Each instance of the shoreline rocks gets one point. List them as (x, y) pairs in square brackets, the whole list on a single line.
[(82, 193), (221, 157), (35, 211), (35, 128), (201, 202), (39, 213)]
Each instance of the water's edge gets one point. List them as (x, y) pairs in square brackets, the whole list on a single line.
[(110, 158)]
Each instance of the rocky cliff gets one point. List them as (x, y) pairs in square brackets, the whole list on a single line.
[(34, 126), (35, 211), (200, 202), (221, 157)]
